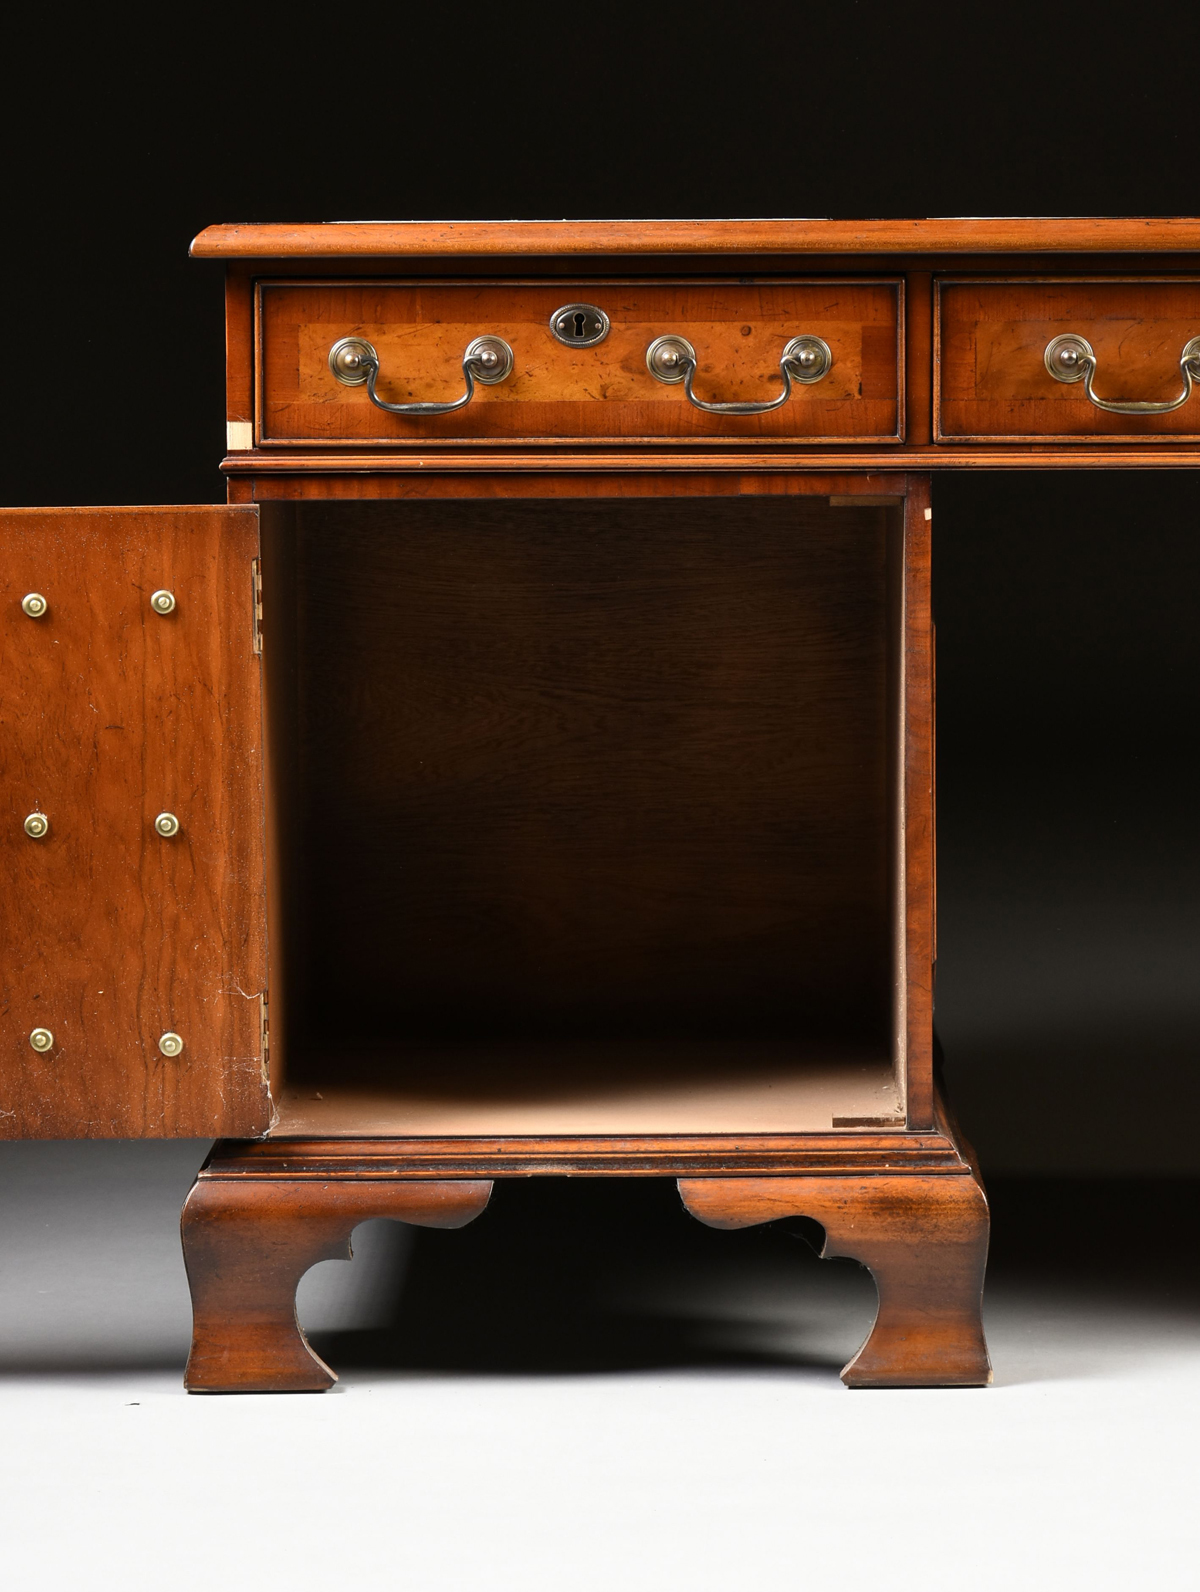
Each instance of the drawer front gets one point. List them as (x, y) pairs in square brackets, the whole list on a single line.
[(558, 393), (991, 376)]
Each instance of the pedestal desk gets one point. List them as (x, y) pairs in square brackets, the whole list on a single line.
[(530, 770)]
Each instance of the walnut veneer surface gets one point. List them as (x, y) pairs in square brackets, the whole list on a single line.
[(558, 394)]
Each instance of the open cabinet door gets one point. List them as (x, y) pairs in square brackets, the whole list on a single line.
[(132, 924)]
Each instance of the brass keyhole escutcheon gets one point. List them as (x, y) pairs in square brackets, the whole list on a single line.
[(580, 325)]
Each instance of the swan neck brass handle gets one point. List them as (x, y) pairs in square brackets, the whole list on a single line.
[(1070, 358), (486, 360), (804, 359)]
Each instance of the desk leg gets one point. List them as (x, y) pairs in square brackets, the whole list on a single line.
[(247, 1243), (923, 1239)]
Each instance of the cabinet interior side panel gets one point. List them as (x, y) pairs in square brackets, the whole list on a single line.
[(896, 798)]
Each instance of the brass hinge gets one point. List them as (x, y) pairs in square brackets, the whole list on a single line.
[(256, 590), (264, 1039)]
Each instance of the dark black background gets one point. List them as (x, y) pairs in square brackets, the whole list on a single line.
[(1069, 1000)]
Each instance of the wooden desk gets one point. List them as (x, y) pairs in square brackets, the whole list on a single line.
[(540, 779)]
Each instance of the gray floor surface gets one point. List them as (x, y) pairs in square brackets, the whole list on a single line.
[(588, 1390)]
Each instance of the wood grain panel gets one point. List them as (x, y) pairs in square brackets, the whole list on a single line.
[(605, 1089), (992, 381), (918, 346), (636, 478), (918, 873), (112, 935), (239, 349), (559, 394), (866, 1151), (924, 1240), (247, 1245), (604, 771), (263, 476), (802, 235)]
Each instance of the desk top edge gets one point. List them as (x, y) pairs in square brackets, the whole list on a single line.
[(967, 234)]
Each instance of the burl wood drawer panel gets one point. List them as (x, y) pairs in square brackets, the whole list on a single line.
[(114, 934), (990, 377), (556, 393)]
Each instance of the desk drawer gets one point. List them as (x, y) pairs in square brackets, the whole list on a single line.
[(595, 392), (992, 381)]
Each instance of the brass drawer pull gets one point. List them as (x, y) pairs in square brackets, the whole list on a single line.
[(487, 360), (1070, 358), (805, 359)]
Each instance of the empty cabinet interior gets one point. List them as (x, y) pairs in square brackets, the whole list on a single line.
[(584, 814)]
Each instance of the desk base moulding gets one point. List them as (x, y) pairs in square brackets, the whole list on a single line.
[(908, 1207)]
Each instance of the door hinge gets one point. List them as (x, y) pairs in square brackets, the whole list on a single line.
[(256, 591), (264, 1039)]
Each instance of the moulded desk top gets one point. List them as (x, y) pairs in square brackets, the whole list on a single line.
[(932, 235)]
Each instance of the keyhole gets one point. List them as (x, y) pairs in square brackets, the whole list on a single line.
[(580, 324)]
